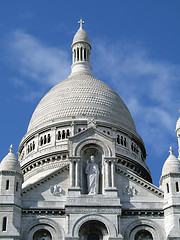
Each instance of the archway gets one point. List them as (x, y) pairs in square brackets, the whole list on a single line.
[(143, 235), (42, 234), (93, 230)]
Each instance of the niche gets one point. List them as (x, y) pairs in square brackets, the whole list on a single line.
[(86, 153)]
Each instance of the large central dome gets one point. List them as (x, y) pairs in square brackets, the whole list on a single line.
[(74, 106), (82, 95)]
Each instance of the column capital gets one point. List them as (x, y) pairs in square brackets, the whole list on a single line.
[(110, 159), (74, 159)]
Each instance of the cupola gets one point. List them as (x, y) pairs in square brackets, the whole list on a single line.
[(171, 165), (81, 49), (10, 162)]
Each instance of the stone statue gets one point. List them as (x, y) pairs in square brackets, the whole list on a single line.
[(92, 172)]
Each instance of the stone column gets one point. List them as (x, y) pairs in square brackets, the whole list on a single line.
[(53, 136), (72, 129), (110, 188), (74, 175), (77, 173), (113, 161), (71, 171), (106, 175)]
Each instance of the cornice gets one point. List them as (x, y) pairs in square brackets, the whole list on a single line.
[(140, 181), (45, 179)]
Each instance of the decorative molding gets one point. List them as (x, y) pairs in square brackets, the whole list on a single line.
[(43, 212), (139, 212), (92, 201), (155, 190), (134, 166), (45, 179), (93, 210)]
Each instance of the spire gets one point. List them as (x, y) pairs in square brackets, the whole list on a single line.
[(81, 49), (11, 149), (170, 151)]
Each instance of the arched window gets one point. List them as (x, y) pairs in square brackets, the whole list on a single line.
[(143, 235), (7, 184), (167, 186), (41, 141), (28, 150), (81, 54), (59, 135), (84, 54), (79, 129), (121, 140), (45, 139), (42, 234), (63, 134), (30, 147), (125, 142), (49, 138), (118, 139), (177, 187), (33, 145), (4, 224), (78, 54), (17, 186), (67, 133)]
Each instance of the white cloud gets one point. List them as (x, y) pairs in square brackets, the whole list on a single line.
[(36, 61), (149, 87)]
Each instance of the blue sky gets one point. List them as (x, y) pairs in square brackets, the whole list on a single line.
[(135, 50)]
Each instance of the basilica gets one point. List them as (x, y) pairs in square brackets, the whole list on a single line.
[(81, 171)]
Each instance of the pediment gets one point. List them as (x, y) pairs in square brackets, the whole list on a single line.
[(131, 184), (92, 136), (44, 180)]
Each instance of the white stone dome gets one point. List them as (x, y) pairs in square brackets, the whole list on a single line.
[(10, 163), (171, 165), (81, 36), (82, 95)]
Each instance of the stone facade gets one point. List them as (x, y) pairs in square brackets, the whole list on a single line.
[(45, 194)]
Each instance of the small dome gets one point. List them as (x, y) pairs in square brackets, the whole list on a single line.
[(171, 165), (10, 162), (81, 36), (178, 124)]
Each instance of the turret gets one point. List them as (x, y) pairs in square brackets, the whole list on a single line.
[(81, 49), (170, 184), (10, 196)]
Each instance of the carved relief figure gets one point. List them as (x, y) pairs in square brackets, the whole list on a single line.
[(92, 172), (56, 190)]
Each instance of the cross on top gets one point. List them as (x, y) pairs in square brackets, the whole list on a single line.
[(81, 22)]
